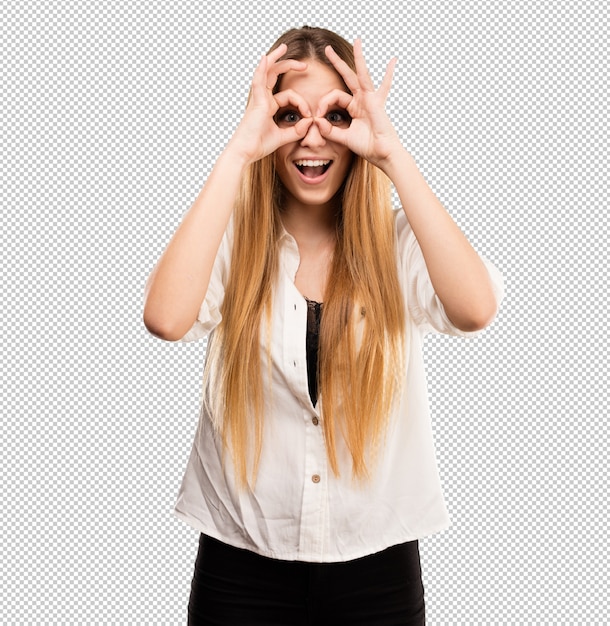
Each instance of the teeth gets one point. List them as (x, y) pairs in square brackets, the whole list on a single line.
[(303, 163)]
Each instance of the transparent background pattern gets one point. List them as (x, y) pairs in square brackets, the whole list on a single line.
[(112, 116)]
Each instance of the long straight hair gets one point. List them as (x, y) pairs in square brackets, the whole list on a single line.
[(362, 330)]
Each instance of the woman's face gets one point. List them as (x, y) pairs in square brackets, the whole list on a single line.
[(313, 169)]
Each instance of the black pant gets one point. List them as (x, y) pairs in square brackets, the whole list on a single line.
[(235, 587)]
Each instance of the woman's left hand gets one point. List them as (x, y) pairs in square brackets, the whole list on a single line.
[(370, 134)]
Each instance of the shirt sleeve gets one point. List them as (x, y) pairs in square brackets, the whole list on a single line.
[(423, 305), (209, 315)]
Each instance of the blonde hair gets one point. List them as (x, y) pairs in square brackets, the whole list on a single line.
[(362, 330)]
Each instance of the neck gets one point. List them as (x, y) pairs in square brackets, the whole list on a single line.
[(311, 226)]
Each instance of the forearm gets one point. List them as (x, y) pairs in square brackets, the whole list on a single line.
[(179, 281), (458, 274)]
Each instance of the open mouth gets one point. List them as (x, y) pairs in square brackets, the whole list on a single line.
[(313, 169)]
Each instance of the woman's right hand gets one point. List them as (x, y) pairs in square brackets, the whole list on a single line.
[(258, 134)]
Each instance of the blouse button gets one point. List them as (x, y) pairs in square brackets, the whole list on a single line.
[(315, 478), (315, 421)]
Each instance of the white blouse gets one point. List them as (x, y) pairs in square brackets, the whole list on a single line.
[(299, 510)]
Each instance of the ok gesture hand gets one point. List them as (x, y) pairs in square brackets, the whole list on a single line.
[(371, 133), (257, 134)]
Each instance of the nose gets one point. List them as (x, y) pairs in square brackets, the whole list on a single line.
[(313, 138)]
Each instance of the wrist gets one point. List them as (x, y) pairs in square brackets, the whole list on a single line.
[(397, 164), (236, 155)]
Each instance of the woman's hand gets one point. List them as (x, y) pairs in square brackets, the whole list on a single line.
[(257, 134), (371, 134)]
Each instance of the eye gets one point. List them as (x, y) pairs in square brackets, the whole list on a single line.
[(339, 117), (287, 117)]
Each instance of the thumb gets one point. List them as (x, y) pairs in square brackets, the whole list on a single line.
[(302, 126), (328, 131)]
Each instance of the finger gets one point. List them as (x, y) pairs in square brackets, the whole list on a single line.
[(361, 69), (276, 54), (346, 72), (386, 83), (281, 67), (302, 126), (336, 97), (258, 79), (289, 97), (294, 133), (328, 131)]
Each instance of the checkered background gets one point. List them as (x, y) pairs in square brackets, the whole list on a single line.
[(112, 116)]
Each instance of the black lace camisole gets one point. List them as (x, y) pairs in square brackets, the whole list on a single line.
[(312, 342)]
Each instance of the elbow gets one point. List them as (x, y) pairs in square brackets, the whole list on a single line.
[(475, 324), (161, 328), (478, 317), (477, 305)]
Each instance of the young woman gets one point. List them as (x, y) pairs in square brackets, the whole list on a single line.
[(312, 474)]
